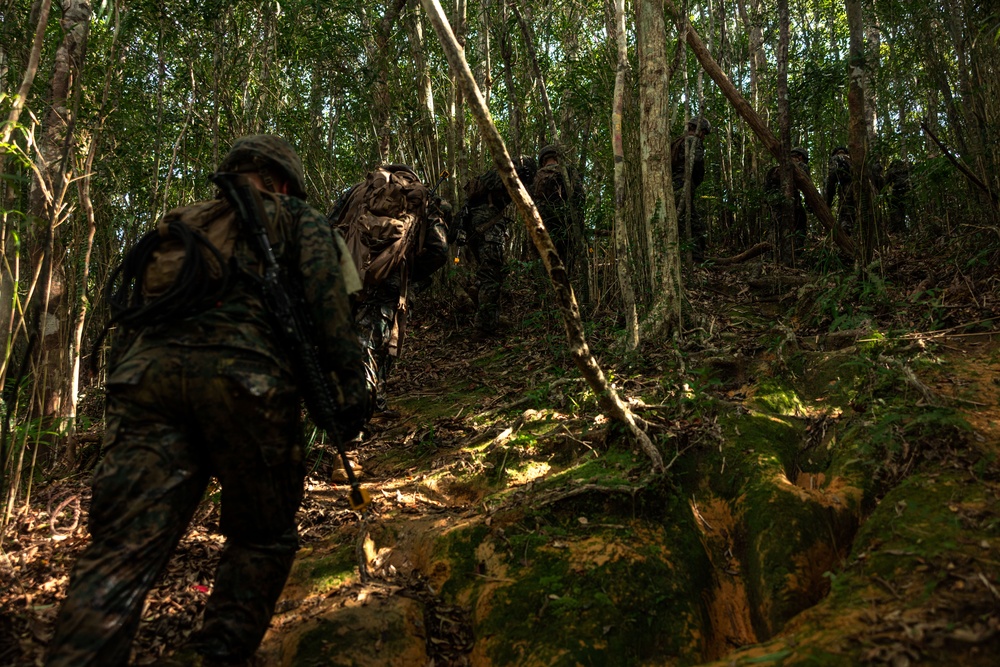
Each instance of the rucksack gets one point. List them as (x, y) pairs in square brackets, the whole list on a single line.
[(183, 265), (478, 189), (382, 221)]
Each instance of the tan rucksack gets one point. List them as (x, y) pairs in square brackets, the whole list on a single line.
[(383, 221)]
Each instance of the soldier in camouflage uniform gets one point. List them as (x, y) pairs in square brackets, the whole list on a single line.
[(483, 226), (788, 242), (838, 180), (381, 310), (212, 395), (561, 209), (697, 130), (898, 185)]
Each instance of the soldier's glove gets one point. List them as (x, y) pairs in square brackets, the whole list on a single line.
[(460, 239)]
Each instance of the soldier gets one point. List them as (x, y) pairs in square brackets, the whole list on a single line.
[(213, 394), (788, 242), (692, 142), (898, 183), (561, 208), (483, 225), (381, 307), (838, 179)]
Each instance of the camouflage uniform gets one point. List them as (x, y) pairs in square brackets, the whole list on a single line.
[(485, 226), (563, 217), (898, 182), (487, 247), (696, 131), (381, 310), (838, 179), (210, 395), (789, 242)]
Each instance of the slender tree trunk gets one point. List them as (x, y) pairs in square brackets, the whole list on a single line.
[(383, 100), (580, 352), (47, 205), (529, 42), (660, 214), (783, 244), (427, 139), (622, 251), (513, 99), (867, 222)]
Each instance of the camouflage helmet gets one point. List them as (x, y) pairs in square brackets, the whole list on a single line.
[(552, 150), (840, 150), (267, 151), (700, 125), (801, 152)]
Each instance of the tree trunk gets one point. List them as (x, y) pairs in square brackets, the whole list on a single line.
[(529, 43), (383, 101), (47, 206), (430, 161), (659, 212), (622, 252), (580, 352), (869, 234), (782, 244), (513, 99)]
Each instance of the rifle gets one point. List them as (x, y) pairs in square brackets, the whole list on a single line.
[(444, 174), (291, 322)]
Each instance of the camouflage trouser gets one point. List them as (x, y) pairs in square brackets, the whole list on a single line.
[(488, 250), (175, 417), (847, 214), (375, 319), (790, 242), (698, 231)]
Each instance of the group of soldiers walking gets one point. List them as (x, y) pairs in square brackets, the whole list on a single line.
[(557, 189), (214, 309), (203, 381)]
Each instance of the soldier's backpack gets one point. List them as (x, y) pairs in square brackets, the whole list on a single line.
[(383, 221), (183, 265), (478, 189)]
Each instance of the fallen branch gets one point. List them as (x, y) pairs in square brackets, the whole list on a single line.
[(606, 395), (749, 253)]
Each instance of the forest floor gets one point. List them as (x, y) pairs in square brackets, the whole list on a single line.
[(499, 449)]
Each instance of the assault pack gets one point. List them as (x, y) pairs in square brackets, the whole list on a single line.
[(184, 265), (479, 189), (383, 219)]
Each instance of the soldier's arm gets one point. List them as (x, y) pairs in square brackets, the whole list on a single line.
[(317, 257), (434, 253)]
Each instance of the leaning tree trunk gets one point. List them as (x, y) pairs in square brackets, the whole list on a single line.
[(759, 127), (607, 397), (622, 252), (659, 211)]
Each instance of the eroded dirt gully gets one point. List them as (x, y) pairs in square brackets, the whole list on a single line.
[(831, 500)]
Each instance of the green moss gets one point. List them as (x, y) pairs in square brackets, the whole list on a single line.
[(644, 602), (328, 572), (776, 397)]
